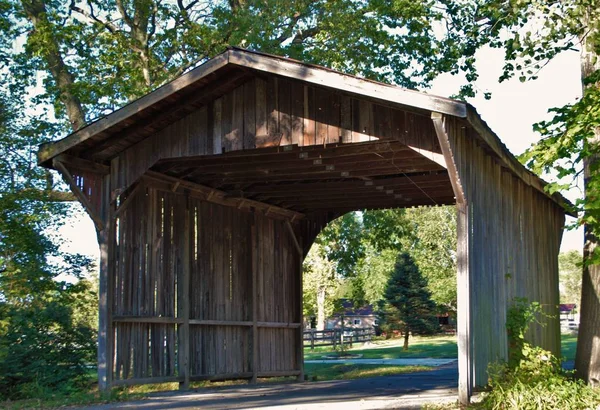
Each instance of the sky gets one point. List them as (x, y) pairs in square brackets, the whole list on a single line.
[(510, 113)]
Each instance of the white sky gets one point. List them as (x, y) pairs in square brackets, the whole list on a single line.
[(514, 107)]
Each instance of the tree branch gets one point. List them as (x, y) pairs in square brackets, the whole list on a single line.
[(92, 17)]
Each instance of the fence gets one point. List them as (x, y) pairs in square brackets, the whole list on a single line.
[(334, 337)]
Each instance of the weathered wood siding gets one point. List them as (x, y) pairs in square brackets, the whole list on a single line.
[(275, 112), (236, 260), (509, 239)]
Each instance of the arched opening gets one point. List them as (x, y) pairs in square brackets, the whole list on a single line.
[(208, 193)]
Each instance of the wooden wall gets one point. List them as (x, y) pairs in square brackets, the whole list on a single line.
[(509, 239), (272, 111), (239, 315)]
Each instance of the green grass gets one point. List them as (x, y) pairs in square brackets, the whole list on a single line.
[(568, 345), (440, 347), (347, 371)]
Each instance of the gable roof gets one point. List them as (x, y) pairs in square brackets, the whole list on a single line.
[(106, 137), (259, 62)]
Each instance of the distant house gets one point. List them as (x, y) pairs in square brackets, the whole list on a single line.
[(361, 317), (567, 310)]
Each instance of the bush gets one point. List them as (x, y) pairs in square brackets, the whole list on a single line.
[(45, 348), (533, 378)]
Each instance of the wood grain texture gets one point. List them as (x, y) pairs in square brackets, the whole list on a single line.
[(508, 244)]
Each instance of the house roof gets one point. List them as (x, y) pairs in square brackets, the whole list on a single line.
[(348, 309), (566, 307), (105, 138)]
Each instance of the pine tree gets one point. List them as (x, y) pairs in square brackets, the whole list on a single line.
[(408, 302)]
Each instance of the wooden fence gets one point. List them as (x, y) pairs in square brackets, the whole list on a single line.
[(336, 337)]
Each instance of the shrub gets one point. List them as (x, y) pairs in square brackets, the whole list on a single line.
[(533, 378)]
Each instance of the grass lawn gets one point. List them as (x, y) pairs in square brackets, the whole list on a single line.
[(347, 371), (568, 344), (441, 347), (433, 346)]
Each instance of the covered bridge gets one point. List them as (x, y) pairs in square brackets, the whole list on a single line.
[(208, 192)]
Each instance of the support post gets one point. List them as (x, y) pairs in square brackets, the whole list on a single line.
[(99, 221), (184, 336), (465, 365), (105, 329), (254, 304)]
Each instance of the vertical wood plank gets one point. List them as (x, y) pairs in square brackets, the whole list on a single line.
[(284, 91), (333, 118), (297, 111), (105, 349), (346, 118), (250, 115), (274, 137), (309, 116), (236, 137), (321, 115), (217, 131), (184, 339)]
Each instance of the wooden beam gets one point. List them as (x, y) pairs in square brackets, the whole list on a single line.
[(240, 323), (50, 150), (294, 238), (105, 368), (123, 206), (147, 319), (59, 166), (260, 156), (465, 355), (278, 325), (220, 197), (332, 79), (83, 164), (438, 123), (184, 340), (255, 267)]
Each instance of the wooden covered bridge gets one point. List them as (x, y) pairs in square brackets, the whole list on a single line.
[(208, 192)]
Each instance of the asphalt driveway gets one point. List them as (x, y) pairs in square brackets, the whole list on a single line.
[(404, 391)]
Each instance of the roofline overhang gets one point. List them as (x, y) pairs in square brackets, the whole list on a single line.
[(312, 74), (316, 75)]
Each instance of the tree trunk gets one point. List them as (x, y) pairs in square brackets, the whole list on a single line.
[(321, 308), (50, 51), (406, 335), (587, 360)]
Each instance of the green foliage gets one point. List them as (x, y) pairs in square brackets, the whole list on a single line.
[(407, 305), (533, 378), (364, 245), (47, 325), (320, 284), (570, 269), (433, 247), (519, 318), (538, 382)]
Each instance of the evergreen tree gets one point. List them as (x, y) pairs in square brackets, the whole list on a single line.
[(408, 303)]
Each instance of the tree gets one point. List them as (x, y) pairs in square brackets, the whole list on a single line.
[(47, 331), (570, 268), (319, 285), (408, 301), (433, 249), (532, 33)]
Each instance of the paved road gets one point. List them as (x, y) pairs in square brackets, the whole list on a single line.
[(390, 362), (405, 391)]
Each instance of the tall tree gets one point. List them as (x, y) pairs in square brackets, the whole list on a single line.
[(320, 284), (532, 33), (433, 247), (408, 301), (570, 269)]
